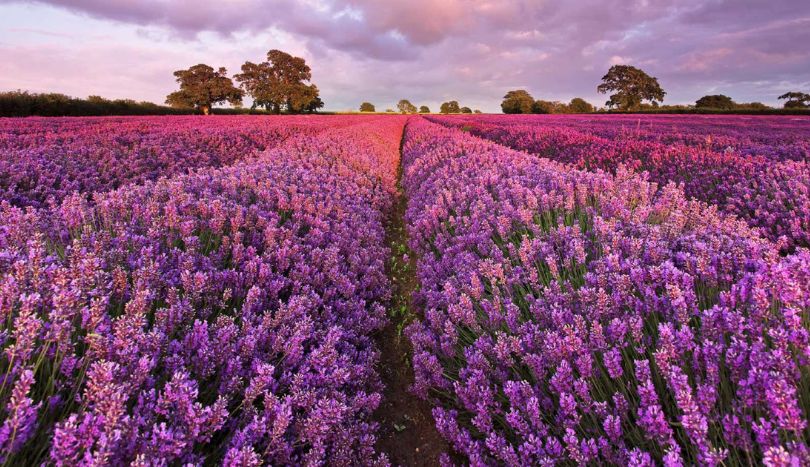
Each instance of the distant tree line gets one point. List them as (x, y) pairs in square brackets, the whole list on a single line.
[(633, 90), (26, 104), (723, 102), (521, 102), (279, 84), (406, 107), (453, 107)]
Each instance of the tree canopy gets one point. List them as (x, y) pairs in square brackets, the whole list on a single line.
[(280, 83), (715, 101), (405, 106), (549, 107), (517, 102), (367, 107), (314, 104), (630, 86), (202, 87), (450, 107), (424, 109), (579, 105), (466, 110), (796, 100)]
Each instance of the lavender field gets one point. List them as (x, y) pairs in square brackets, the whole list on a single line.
[(589, 289)]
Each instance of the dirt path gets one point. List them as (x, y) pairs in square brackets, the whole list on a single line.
[(407, 430)]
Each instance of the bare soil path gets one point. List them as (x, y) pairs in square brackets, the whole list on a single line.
[(407, 430)]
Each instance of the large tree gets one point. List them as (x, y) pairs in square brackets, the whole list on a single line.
[(715, 101), (466, 110), (796, 100), (424, 109), (280, 83), (579, 105), (450, 107), (367, 107), (405, 106), (201, 87), (630, 87), (517, 102)]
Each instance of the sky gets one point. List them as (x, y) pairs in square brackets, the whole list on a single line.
[(380, 51)]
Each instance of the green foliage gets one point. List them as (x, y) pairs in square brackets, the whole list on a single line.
[(715, 101), (424, 109), (405, 106), (579, 105), (280, 83), (549, 107), (367, 107), (201, 87), (517, 102), (315, 103), (466, 110), (796, 100), (630, 86), (450, 107), (24, 104), (753, 106)]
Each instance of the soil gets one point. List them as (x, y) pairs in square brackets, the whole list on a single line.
[(407, 432)]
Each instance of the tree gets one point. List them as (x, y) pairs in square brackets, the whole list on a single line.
[(476, 111), (424, 109), (201, 87), (549, 107), (579, 105), (466, 110), (314, 105), (517, 102), (305, 99), (367, 107), (796, 100), (279, 83), (715, 101), (405, 106), (450, 107), (631, 87)]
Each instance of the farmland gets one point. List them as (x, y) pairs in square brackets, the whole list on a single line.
[(612, 289)]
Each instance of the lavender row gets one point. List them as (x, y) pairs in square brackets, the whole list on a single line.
[(778, 138), (44, 160), (579, 317), (221, 316), (771, 196)]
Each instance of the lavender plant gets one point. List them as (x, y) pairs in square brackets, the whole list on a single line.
[(770, 192), (581, 317), (46, 160), (221, 316)]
